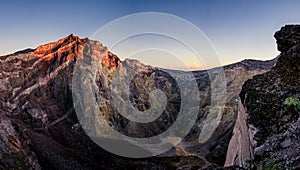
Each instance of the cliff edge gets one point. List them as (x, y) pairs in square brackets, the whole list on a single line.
[(266, 101)]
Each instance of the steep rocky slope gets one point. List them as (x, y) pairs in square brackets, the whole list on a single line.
[(39, 126), (276, 143), (214, 150)]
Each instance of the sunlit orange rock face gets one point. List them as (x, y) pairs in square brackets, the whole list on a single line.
[(70, 48), (64, 49), (110, 61)]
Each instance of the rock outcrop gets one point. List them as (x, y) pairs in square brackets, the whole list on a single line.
[(276, 143), (39, 128), (241, 144)]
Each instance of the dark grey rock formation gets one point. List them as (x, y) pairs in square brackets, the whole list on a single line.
[(277, 138)]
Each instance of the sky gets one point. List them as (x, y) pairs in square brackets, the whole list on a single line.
[(238, 29)]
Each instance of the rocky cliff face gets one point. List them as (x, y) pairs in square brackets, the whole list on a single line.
[(39, 127), (214, 150), (276, 142)]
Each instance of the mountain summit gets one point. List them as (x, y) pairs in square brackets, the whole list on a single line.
[(39, 128)]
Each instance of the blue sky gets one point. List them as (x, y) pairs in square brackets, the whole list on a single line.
[(238, 29)]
